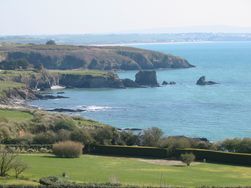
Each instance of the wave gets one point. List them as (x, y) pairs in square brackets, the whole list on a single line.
[(94, 108)]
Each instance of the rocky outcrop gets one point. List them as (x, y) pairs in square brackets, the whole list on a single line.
[(146, 78), (65, 110), (130, 83), (83, 57), (90, 81), (37, 80), (202, 81), (46, 97), (164, 83)]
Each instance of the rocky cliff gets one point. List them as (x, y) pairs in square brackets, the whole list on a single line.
[(90, 81), (83, 57), (146, 78)]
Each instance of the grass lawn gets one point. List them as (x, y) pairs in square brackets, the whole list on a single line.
[(90, 168), (15, 115)]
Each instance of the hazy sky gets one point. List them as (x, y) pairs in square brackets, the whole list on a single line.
[(111, 16)]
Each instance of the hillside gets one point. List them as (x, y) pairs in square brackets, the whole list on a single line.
[(90, 57)]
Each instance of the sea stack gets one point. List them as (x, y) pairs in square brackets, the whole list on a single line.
[(202, 81), (147, 78)]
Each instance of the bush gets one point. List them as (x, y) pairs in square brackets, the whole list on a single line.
[(45, 138), (187, 158), (151, 136), (103, 135), (67, 124), (50, 42), (236, 145), (68, 149), (81, 136)]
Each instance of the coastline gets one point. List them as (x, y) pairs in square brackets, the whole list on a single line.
[(152, 43)]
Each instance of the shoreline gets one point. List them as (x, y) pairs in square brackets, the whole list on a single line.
[(153, 43)]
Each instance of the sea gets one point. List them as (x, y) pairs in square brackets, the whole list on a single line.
[(215, 112)]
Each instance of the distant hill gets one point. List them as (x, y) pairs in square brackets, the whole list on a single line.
[(124, 39), (89, 57)]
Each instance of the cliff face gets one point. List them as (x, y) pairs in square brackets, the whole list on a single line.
[(146, 78), (99, 58), (17, 95), (90, 81)]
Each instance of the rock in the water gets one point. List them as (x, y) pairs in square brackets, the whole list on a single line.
[(46, 97), (164, 83), (130, 83), (146, 78), (65, 110), (202, 81)]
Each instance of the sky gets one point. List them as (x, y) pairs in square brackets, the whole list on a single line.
[(37, 17)]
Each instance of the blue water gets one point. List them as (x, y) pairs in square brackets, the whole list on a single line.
[(215, 112)]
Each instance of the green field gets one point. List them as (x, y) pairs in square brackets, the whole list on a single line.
[(91, 168), (15, 115)]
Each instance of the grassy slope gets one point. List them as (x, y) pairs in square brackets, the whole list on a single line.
[(6, 85), (90, 168), (15, 115), (81, 72)]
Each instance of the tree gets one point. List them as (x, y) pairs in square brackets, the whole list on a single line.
[(187, 158), (152, 136), (7, 161), (103, 135), (50, 42), (19, 167)]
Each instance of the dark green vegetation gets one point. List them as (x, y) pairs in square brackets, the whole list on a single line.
[(132, 151), (87, 57), (100, 169), (218, 156), (236, 145)]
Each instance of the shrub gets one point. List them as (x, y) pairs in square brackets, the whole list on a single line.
[(50, 42), (66, 124), (63, 135), (129, 138), (103, 135), (68, 149), (152, 136), (236, 145), (187, 158), (19, 167), (45, 138), (81, 136)]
